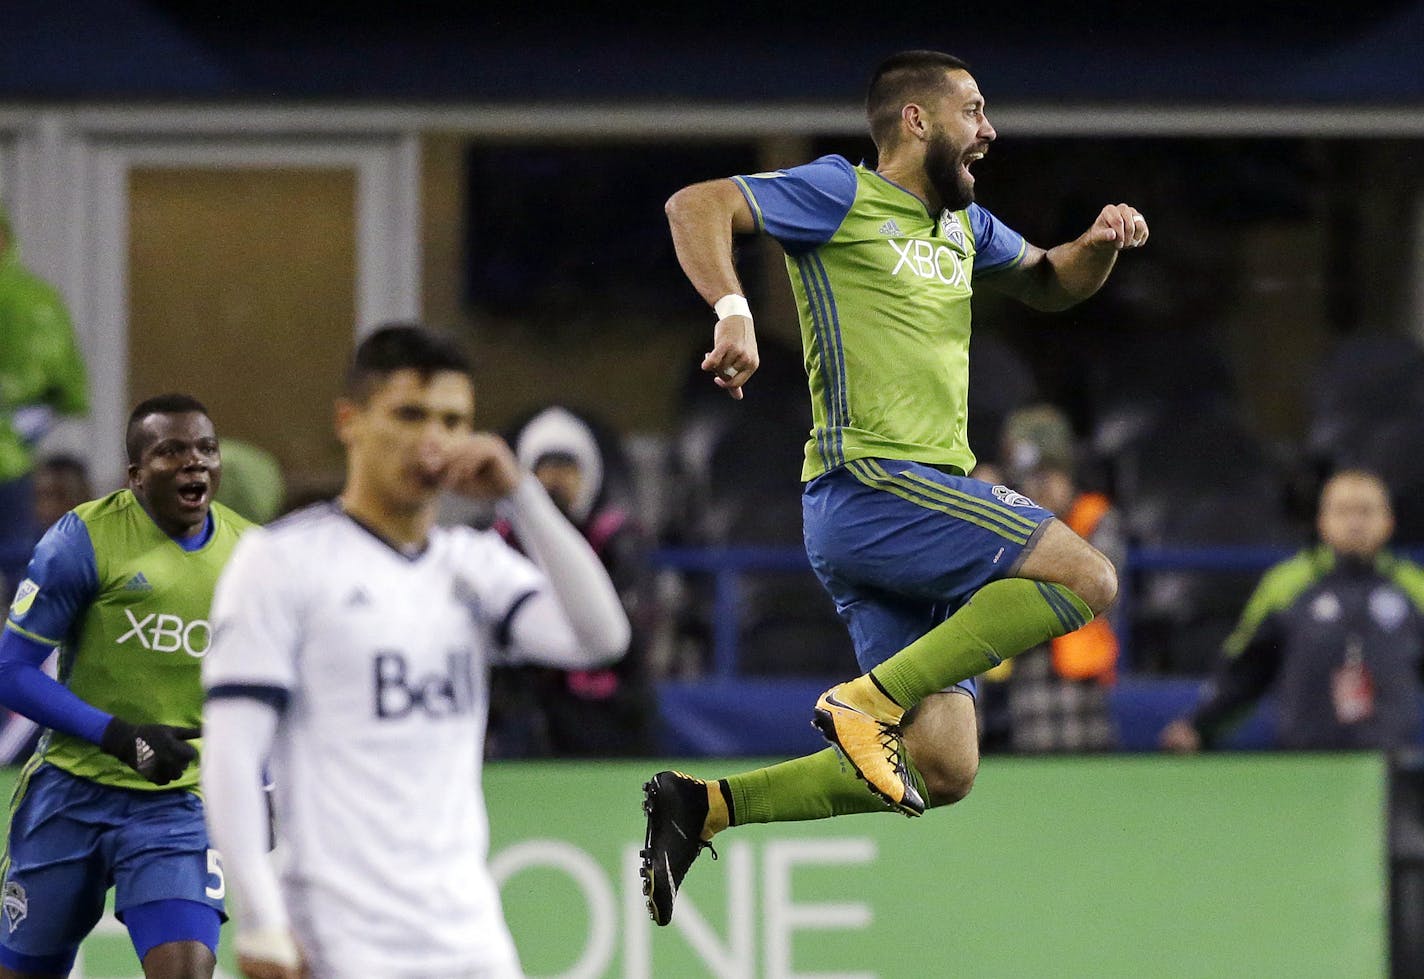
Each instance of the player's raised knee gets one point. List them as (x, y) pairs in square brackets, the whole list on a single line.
[(1061, 556), (945, 789), (1096, 583), (948, 782)]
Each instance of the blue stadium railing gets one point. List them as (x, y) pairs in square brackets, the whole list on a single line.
[(727, 711), (728, 566)]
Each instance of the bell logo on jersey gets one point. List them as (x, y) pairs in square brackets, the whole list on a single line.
[(164, 633), (447, 694), (929, 261)]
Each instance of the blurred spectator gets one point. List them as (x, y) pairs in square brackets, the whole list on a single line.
[(252, 482), (582, 712), (41, 375), (989, 472), (1336, 631), (61, 484), (1058, 694)]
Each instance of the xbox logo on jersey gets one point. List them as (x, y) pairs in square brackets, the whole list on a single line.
[(929, 261), (164, 633)]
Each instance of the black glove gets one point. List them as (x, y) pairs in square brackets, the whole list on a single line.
[(158, 752)]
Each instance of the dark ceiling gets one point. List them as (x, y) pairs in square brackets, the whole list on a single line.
[(439, 50)]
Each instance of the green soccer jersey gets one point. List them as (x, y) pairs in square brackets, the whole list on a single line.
[(128, 607), (1281, 587), (883, 291)]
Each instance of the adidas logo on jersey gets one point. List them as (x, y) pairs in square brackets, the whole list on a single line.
[(890, 229), (464, 593), (138, 583), (357, 598)]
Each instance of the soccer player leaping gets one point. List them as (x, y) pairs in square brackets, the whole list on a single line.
[(938, 577)]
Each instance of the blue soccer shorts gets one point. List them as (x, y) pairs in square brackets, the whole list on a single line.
[(72, 839), (900, 546)]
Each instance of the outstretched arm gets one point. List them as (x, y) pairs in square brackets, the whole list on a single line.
[(1071, 272), (703, 217)]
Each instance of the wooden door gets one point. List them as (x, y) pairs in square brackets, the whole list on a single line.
[(242, 291)]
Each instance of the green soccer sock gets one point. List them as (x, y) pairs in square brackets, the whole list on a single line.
[(1002, 619), (811, 787)]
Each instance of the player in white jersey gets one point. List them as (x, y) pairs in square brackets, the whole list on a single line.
[(351, 645)]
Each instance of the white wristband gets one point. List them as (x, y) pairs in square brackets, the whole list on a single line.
[(269, 945), (732, 305)]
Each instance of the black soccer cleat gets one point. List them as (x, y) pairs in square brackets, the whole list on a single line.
[(676, 805)]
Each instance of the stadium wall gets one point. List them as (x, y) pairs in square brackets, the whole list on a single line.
[(1260, 865)]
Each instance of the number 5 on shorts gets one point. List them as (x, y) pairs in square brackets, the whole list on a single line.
[(217, 891)]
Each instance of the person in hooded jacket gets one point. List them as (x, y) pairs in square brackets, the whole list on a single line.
[(590, 713)]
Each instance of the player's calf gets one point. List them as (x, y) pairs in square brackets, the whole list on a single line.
[(942, 743)]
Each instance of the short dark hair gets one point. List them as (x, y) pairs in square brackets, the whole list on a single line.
[(162, 404), (899, 79), (402, 346)]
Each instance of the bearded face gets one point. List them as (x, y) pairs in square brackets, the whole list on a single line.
[(947, 166), (958, 135)]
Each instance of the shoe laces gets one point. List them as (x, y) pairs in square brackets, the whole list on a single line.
[(890, 740)]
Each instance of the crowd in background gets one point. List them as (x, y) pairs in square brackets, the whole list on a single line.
[(1160, 455), (726, 479)]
